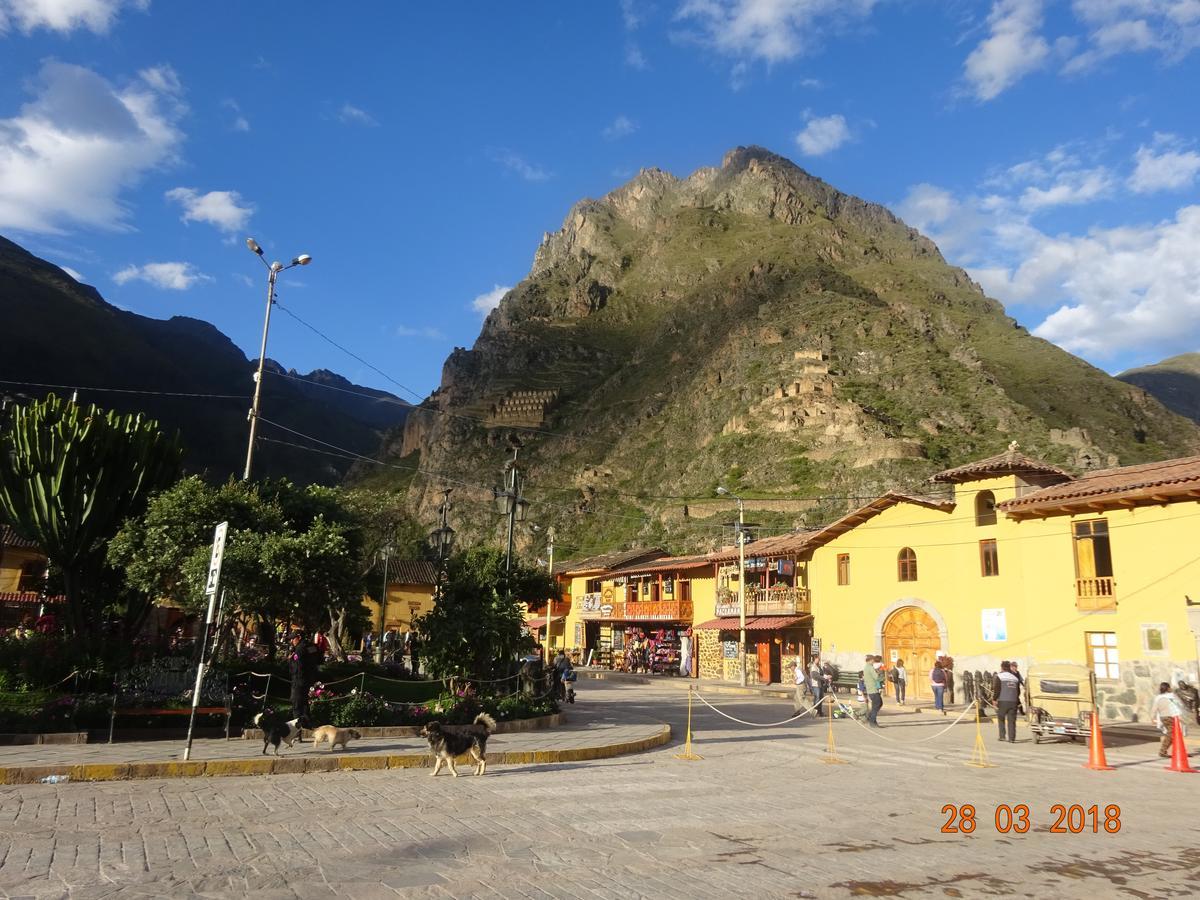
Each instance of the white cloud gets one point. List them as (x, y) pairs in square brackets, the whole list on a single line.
[(432, 334), (352, 115), (72, 273), (621, 126), (517, 164), (243, 279), (68, 155), (634, 58), (1166, 166), (1108, 290), (163, 79), (1169, 27), (223, 209), (485, 303), (173, 276), (769, 30), (240, 122), (822, 135), (629, 15), (63, 15), (1069, 189), (1013, 48)]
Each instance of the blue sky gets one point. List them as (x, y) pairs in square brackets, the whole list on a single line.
[(418, 152)]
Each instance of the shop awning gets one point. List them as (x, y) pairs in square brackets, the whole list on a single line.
[(755, 623), (541, 621)]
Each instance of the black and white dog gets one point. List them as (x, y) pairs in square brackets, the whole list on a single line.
[(276, 731), (450, 741)]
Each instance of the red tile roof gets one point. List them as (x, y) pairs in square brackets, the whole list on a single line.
[(28, 598), (1010, 462), (779, 545), (9, 538), (665, 564), (607, 561), (411, 571), (1172, 480), (754, 623)]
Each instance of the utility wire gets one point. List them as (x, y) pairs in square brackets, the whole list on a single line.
[(80, 387)]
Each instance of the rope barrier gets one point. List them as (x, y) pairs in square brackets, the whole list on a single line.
[(754, 724), (893, 740)]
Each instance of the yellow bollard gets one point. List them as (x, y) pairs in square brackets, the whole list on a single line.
[(831, 758), (687, 746), (979, 756)]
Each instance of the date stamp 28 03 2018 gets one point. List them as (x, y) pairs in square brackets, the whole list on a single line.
[(1068, 819)]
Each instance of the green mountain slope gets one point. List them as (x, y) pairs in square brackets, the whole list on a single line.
[(1175, 382), (752, 326), (62, 332)]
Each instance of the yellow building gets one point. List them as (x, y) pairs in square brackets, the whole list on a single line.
[(22, 578), (1020, 561), (410, 587)]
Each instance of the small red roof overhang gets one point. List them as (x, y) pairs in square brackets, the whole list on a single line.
[(755, 623)]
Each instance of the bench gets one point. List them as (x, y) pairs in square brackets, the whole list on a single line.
[(185, 711), (847, 680)]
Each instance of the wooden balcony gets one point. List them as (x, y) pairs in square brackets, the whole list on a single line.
[(593, 606), (1095, 593), (774, 601)]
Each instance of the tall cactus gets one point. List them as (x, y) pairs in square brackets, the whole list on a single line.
[(69, 476)]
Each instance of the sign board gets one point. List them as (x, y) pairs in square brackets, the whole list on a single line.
[(214, 565), (816, 646), (995, 625), (729, 649), (895, 655), (578, 634)]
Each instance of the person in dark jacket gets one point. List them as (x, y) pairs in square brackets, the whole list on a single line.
[(304, 663)]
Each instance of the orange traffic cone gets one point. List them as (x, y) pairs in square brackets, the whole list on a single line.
[(1096, 759), (1179, 754)]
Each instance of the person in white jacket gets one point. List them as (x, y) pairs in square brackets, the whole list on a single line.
[(1165, 709)]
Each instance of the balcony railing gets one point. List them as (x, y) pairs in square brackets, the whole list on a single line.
[(1095, 593), (774, 601)]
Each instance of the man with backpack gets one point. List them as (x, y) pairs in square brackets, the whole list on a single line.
[(1007, 691)]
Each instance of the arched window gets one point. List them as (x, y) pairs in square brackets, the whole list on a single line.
[(985, 508), (907, 564)]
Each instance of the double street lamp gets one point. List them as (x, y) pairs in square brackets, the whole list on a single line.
[(741, 542), (273, 270)]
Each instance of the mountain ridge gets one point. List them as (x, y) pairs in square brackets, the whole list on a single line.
[(752, 326), (64, 332)]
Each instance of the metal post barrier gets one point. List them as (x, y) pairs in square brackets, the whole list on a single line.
[(112, 717)]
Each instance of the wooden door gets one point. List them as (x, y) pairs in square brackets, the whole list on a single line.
[(764, 662), (911, 634)]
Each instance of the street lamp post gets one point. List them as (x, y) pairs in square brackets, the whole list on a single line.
[(273, 270), (550, 601), (441, 538), (741, 542), (510, 503), (386, 554)]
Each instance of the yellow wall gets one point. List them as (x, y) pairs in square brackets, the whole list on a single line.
[(401, 599), (11, 561), (1155, 563)]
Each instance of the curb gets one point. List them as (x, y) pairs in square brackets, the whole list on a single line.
[(303, 765)]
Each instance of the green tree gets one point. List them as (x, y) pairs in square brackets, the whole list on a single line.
[(477, 619), (69, 476), (292, 554)]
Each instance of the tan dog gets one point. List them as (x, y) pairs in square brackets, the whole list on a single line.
[(335, 736)]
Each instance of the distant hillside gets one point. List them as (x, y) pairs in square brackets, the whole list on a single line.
[(1175, 382), (752, 326), (58, 331)]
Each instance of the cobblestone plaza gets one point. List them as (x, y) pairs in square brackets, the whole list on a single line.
[(759, 815)]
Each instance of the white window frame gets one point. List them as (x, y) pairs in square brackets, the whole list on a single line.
[(1106, 665)]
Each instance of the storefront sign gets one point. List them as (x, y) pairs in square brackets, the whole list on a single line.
[(816, 646), (785, 567), (995, 625), (729, 649)]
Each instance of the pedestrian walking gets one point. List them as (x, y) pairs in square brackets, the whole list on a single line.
[(900, 680), (801, 681), (1165, 709), (872, 679), (816, 681), (303, 667), (1016, 670), (1007, 691), (937, 681)]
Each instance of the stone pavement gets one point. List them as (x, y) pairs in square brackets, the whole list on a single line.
[(760, 815)]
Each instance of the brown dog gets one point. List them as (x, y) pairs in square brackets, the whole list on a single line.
[(335, 736)]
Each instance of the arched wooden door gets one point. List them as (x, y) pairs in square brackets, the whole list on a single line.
[(911, 634)]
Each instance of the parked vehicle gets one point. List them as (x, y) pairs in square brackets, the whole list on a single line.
[(1059, 700)]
